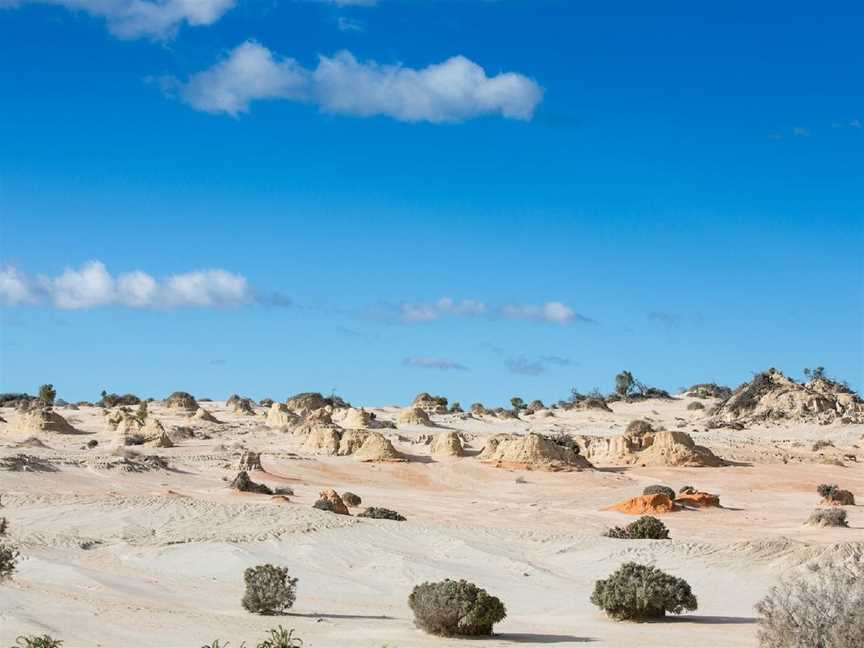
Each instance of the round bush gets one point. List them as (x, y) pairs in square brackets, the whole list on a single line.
[(351, 499), (269, 589), (695, 405), (455, 608), (646, 527), (833, 517), (658, 489), (641, 592), (381, 514)]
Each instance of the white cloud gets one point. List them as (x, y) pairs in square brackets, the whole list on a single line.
[(442, 364), (159, 19), (249, 72), (349, 24), (552, 311), (452, 91), (92, 286), (427, 311), (14, 288)]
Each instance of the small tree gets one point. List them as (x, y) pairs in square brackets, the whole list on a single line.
[(269, 589), (659, 489), (641, 592), (47, 394), (624, 383), (455, 608), (142, 410), (823, 609), (815, 373), (517, 403)]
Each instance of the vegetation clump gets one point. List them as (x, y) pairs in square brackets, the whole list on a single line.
[(655, 489), (833, 517), (34, 641), (269, 589), (378, 513), (113, 400), (646, 527), (351, 499), (47, 394), (823, 609), (695, 405), (8, 559), (455, 608), (641, 592), (833, 494)]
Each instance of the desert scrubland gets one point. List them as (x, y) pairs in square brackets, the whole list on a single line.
[(134, 528)]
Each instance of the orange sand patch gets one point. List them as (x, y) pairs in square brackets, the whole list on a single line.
[(656, 503)]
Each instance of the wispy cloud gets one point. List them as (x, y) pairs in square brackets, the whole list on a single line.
[(92, 286), (552, 311), (346, 24), (452, 91), (442, 364), (525, 366), (428, 311), (128, 19)]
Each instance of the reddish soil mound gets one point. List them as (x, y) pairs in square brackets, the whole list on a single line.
[(699, 500), (645, 504)]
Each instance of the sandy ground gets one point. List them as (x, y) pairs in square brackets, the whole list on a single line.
[(155, 558)]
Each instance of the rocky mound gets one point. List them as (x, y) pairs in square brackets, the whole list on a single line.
[(181, 400), (243, 406), (377, 447), (654, 504), (430, 404), (492, 443), (354, 418), (447, 444), (708, 390), (589, 403), (243, 483), (153, 431), (40, 419), (414, 416), (280, 416), (773, 396), (698, 499), (164, 441), (642, 445), (329, 500), (535, 451), (203, 415), (323, 439), (351, 441), (306, 402)]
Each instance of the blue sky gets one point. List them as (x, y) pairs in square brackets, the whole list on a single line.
[(236, 206)]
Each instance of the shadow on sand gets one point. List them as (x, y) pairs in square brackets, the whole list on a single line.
[(538, 639)]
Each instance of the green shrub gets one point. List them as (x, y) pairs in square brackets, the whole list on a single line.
[(455, 608), (4, 526), (658, 489), (281, 638), (833, 517), (695, 405), (269, 589), (47, 394), (686, 490), (827, 490), (641, 592), (824, 609), (8, 558), (381, 514), (645, 528), (33, 641)]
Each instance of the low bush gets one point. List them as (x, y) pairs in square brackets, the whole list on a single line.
[(819, 445), (455, 608), (641, 592), (34, 641), (281, 638), (47, 394), (8, 559), (686, 490), (658, 489), (646, 527), (351, 499), (695, 405), (833, 517), (4, 525), (824, 609), (381, 514), (269, 590), (833, 494)]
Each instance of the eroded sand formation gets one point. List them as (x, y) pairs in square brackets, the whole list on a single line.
[(516, 502)]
